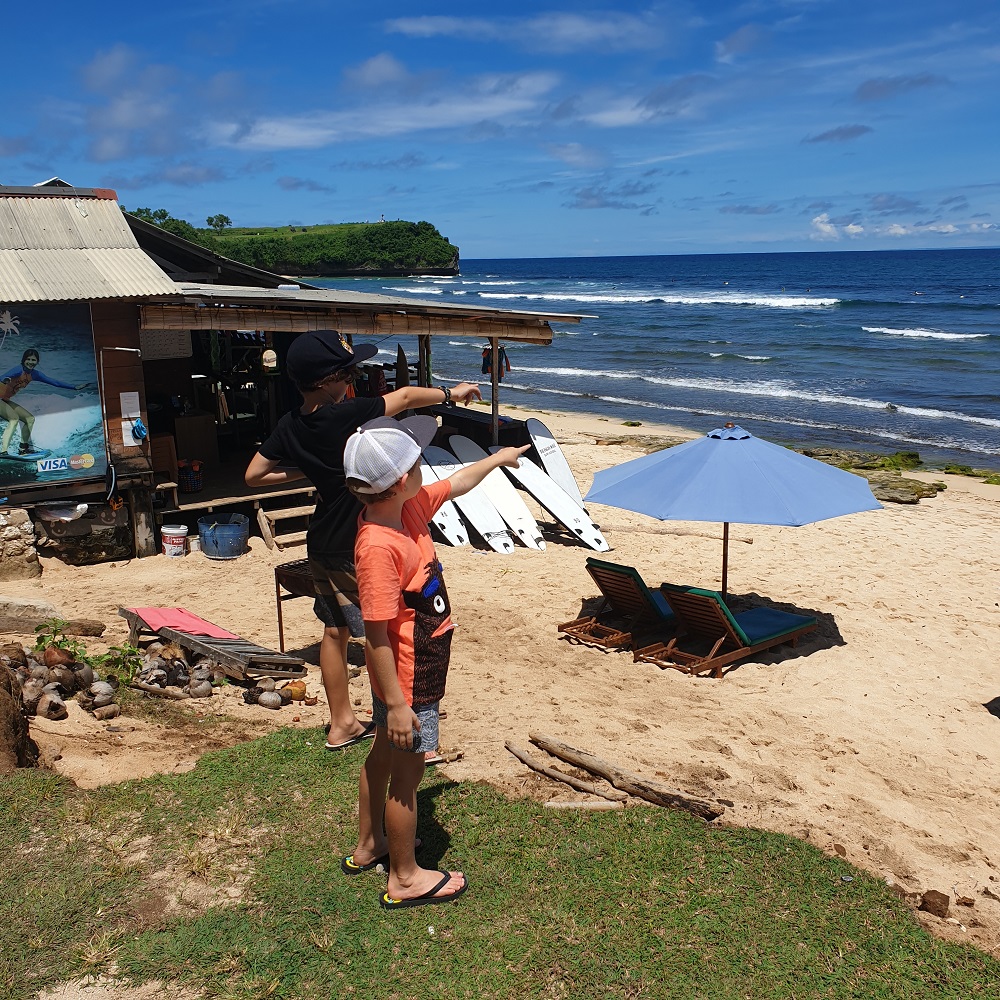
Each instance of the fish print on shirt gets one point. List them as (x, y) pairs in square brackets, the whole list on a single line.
[(432, 634)]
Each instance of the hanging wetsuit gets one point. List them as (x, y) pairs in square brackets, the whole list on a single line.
[(503, 365)]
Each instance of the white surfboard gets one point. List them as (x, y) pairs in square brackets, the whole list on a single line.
[(475, 506), (447, 520), (553, 460), (501, 493), (557, 502)]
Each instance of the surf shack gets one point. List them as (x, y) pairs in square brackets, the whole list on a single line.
[(140, 371)]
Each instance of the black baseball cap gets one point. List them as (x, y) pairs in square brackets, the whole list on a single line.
[(318, 354)]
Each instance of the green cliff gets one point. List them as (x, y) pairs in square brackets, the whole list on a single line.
[(349, 248), (364, 249)]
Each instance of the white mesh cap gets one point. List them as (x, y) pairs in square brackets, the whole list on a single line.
[(380, 452)]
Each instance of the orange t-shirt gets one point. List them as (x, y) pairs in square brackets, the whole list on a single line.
[(400, 582)]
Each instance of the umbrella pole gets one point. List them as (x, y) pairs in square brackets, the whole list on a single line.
[(725, 558)]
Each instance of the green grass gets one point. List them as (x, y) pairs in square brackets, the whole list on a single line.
[(640, 903)]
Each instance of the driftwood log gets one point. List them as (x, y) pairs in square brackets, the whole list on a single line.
[(634, 784), (174, 693), (27, 625), (597, 806), (581, 786)]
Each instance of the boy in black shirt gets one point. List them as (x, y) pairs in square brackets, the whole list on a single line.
[(308, 443)]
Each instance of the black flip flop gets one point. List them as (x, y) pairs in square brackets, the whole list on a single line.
[(348, 867), (427, 899), (368, 733)]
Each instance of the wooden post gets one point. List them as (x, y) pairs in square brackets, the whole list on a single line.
[(424, 361), (495, 379), (725, 558)]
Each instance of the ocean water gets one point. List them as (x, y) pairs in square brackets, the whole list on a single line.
[(880, 351)]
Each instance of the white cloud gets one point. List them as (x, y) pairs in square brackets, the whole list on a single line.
[(556, 31), (744, 40), (377, 72), (823, 228), (494, 96), (575, 154)]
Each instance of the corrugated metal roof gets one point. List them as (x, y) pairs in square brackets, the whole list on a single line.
[(72, 248), (63, 223), (72, 275)]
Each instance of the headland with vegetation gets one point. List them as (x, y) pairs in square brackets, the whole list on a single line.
[(367, 249)]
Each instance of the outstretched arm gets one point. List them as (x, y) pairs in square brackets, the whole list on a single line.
[(40, 376), (472, 475), (267, 472), (413, 397)]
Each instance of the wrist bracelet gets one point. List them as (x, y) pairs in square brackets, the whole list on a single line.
[(447, 393)]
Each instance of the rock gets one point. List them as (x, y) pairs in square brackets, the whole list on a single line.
[(840, 849), (965, 901), (990, 894), (937, 903), (640, 442), (16, 607), (891, 487)]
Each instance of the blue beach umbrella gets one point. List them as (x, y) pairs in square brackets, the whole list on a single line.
[(732, 477)]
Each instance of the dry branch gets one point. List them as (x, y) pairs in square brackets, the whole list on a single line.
[(174, 693), (581, 786), (634, 784), (584, 805)]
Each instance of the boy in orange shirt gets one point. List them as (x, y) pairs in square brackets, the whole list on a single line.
[(408, 633)]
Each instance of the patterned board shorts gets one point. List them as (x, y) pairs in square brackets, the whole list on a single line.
[(425, 738), (337, 603)]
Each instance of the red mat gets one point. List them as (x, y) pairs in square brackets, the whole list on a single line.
[(181, 620)]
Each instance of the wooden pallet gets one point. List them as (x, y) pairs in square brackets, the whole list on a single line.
[(239, 658)]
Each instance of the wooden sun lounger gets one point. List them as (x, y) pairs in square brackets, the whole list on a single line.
[(240, 659), (634, 608), (702, 616)]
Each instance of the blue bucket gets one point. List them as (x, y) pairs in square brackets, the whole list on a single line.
[(224, 536)]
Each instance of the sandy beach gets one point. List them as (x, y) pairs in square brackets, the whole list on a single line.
[(870, 739)]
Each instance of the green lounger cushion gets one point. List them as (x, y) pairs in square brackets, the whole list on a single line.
[(762, 624), (754, 626), (656, 599)]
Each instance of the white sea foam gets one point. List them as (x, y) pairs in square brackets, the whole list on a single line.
[(777, 389), (868, 431), (765, 301), (923, 334), (419, 290), (745, 357)]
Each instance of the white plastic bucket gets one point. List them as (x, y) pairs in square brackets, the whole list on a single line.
[(174, 539)]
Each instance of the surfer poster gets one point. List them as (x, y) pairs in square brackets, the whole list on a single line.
[(51, 429)]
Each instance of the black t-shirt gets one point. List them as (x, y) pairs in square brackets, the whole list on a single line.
[(315, 443)]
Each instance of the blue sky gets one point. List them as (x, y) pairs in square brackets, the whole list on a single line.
[(524, 130)]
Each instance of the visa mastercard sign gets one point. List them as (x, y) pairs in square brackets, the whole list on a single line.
[(60, 464)]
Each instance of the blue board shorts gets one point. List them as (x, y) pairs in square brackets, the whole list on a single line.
[(425, 738), (337, 604)]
